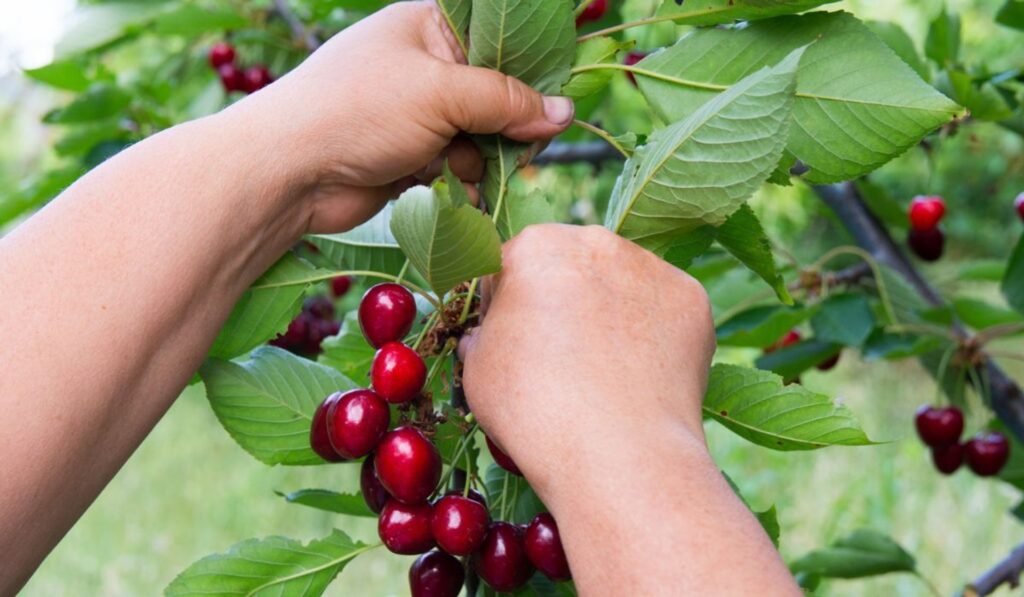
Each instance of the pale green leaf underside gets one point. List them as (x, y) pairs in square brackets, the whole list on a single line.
[(857, 105), (266, 403), (598, 50), (275, 566), (714, 12), (368, 247), (456, 13), (757, 406), (348, 351), (701, 169), (519, 212)]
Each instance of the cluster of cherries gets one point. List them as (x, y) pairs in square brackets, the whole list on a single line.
[(926, 238), (793, 337), (232, 76), (316, 322), (402, 470), (940, 429)]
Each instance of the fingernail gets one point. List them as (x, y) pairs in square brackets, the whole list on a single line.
[(558, 110)]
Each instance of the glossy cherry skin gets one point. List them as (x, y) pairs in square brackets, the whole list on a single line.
[(939, 426), (386, 313), (501, 560), (926, 212), (318, 439), (927, 244), (397, 373), (792, 337), (231, 77), (632, 59), (340, 286), (544, 548), (373, 492), (405, 529), (256, 78), (987, 453), (436, 574), (356, 422), (473, 494), (459, 524), (829, 363), (593, 12), (221, 53), (947, 459), (1018, 204), (408, 465), (502, 459)]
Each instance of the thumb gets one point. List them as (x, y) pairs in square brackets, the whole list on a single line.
[(481, 100)]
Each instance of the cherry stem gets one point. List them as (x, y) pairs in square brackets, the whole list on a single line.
[(582, 7), (883, 293), (605, 135), (630, 25), (469, 301), (431, 321)]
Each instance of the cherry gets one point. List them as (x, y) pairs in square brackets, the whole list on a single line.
[(404, 528), (231, 77), (397, 373), (792, 337), (926, 212), (221, 53), (436, 574), (473, 494), (459, 524), (829, 363), (319, 307), (927, 244), (501, 560), (256, 78), (987, 453), (298, 331), (373, 492), (939, 426), (544, 548), (340, 286), (947, 459), (593, 12), (318, 439), (386, 313), (408, 465), (356, 422), (632, 59), (502, 459), (1018, 204)]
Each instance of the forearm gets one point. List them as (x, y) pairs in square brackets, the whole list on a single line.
[(123, 282)]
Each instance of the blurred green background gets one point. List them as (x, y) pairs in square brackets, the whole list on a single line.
[(190, 491)]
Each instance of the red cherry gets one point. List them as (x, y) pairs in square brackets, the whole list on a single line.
[(340, 286), (927, 244), (1018, 204), (318, 439), (632, 59), (939, 426), (436, 574), (459, 524), (829, 363), (473, 494), (256, 78), (502, 459), (221, 53), (987, 453), (926, 212), (231, 77), (373, 492), (501, 561), (408, 465), (296, 335), (593, 12), (544, 548), (397, 373), (319, 307), (404, 528), (356, 422), (948, 459), (386, 313), (792, 337)]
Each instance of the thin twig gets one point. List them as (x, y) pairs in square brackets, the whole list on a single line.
[(299, 30)]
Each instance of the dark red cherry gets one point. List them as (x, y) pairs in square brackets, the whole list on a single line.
[(256, 78), (405, 529), (221, 53), (373, 492), (593, 12), (948, 459), (340, 286), (318, 439), (295, 337), (939, 426), (987, 453), (231, 77), (459, 524), (473, 494), (502, 459), (436, 574), (544, 548), (386, 313), (632, 59), (408, 465), (927, 244), (501, 560), (320, 307), (357, 422), (792, 337), (397, 373), (1018, 204), (829, 363), (926, 212)]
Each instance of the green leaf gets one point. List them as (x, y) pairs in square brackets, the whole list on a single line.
[(519, 212), (265, 310), (979, 314), (348, 351), (457, 12), (791, 361), (190, 20), (981, 270), (102, 100), (715, 12), (447, 245), (1013, 280), (447, 438), (597, 50), (502, 158), (848, 119), (844, 319), (369, 247), (884, 345), (82, 139), (267, 402), (759, 327), (522, 501), (351, 504), (1012, 14), (275, 566), (94, 25), (65, 74), (757, 406), (531, 40), (769, 518), (943, 41), (900, 42), (984, 101), (862, 553), (700, 170), (743, 236), (686, 247)]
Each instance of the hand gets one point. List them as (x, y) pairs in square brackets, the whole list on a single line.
[(379, 107)]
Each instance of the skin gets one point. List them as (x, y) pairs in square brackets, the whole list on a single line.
[(121, 284)]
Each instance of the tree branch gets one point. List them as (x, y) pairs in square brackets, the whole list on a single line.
[(1006, 572), (299, 30), (591, 152)]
